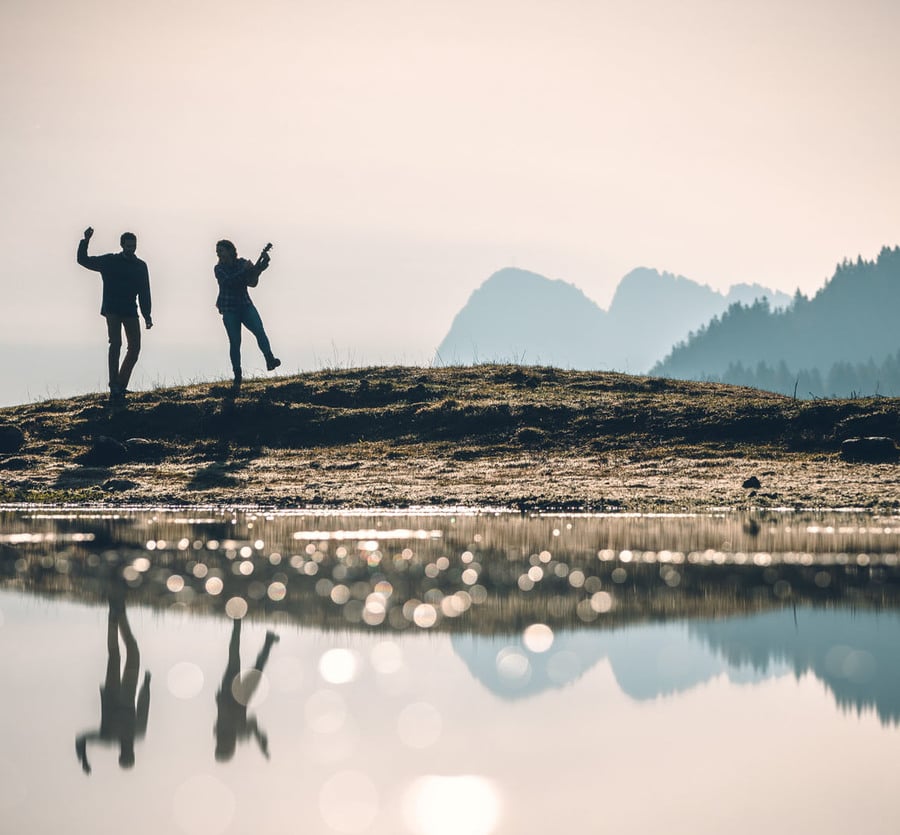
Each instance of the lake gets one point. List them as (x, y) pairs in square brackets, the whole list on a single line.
[(212, 670)]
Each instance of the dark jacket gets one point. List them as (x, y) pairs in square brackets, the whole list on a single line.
[(124, 281)]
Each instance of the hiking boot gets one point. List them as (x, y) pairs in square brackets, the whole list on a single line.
[(236, 383), (272, 363)]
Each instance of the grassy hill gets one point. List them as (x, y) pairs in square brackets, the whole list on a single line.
[(528, 437)]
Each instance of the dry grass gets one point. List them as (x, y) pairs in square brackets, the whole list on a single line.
[(505, 435)]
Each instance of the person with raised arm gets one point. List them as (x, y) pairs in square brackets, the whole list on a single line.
[(123, 708), (126, 284), (234, 276), (233, 724)]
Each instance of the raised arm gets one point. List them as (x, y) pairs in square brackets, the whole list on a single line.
[(89, 261)]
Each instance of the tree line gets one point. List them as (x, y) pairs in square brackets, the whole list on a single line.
[(842, 342)]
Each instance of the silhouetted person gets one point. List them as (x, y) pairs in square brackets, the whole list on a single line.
[(123, 719), (235, 275), (235, 692), (126, 282)]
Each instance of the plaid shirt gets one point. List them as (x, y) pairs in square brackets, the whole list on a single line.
[(233, 282)]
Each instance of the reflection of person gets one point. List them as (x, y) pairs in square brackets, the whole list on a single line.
[(122, 720), (235, 275), (232, 722), (126, 283)]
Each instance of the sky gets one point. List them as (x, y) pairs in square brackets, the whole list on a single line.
[(398, 152)]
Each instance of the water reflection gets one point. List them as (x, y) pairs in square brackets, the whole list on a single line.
[(670, 655), (483, 573), (238, 686), (123, 710)]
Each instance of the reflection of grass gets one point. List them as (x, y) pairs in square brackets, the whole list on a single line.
[(502, 608), (483, 574)]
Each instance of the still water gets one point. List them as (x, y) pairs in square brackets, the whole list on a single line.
[(233, 671)]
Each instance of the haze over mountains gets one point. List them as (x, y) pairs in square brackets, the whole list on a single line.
[(520, 316)]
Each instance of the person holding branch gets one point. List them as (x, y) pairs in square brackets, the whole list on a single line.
[(234, 276)]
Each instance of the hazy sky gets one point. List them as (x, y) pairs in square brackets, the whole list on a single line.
[(397, 152)]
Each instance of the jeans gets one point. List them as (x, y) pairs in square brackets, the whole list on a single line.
[(119, 377), (248, 316)]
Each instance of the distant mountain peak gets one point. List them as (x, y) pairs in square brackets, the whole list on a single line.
[(521, 316), (518, 316)]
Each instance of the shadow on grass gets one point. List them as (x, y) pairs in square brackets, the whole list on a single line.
[(217, 474), (77, 477)]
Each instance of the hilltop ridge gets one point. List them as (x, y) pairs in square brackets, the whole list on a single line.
[(493, 435)]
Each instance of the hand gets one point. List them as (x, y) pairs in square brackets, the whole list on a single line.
[(148, 323), (88, 232)]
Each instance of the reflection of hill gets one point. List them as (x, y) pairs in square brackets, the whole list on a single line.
[(528, 673), (647, 660), (854, 654)]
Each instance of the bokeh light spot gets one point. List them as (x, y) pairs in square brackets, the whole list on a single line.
[(425, 616), (338, 666), (175, 583), (386, 657), (250, 685), (538, 637), (601, 602), (513, 665), (276, 591), (236, 608), (185, 680)]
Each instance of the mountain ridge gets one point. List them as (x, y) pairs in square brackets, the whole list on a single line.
[(528, 318)]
